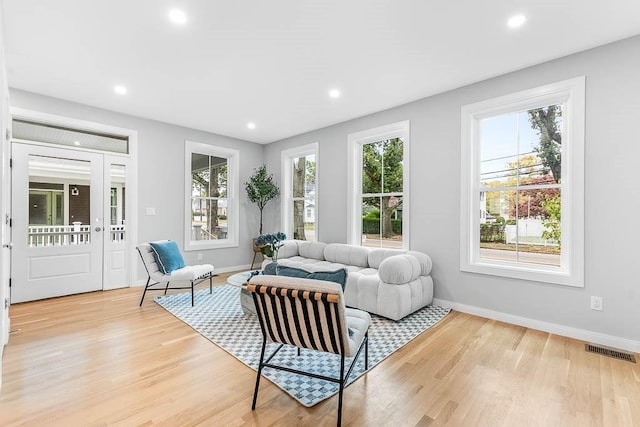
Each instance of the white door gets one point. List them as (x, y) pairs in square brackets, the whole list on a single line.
[(116, 247), (58, 222)]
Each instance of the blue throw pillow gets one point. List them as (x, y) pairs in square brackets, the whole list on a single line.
[(167, 255), (338, 276)]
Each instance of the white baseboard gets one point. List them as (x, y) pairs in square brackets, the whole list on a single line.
[(553, 328), (244, 267)]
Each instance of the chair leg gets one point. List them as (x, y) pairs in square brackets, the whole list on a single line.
[(342, 381), (255, 392), (166, 287), (253, 260), (192, 286), (145, 291), (210, 283), (366, 351)]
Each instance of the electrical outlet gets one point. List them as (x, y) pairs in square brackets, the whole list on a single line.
[(199, 256), (596, 303)]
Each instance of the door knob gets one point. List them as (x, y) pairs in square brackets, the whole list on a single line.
[(98, 229)]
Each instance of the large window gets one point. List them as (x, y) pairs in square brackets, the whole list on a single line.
[(300, 189), (378, 160), (522, 179), (211, 196)]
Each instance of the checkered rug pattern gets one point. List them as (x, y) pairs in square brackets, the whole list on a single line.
[(219, 317)]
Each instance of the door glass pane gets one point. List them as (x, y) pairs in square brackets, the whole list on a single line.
[(116, 202), (59, 201)]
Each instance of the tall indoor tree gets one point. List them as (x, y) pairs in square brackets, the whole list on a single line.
[(261, 189)]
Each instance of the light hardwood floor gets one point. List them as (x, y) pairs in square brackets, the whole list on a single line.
[(99, 359)]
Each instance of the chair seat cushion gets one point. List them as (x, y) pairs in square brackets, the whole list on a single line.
[(167, 255), (190, 272), (357, 323)]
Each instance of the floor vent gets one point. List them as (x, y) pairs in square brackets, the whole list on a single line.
[(616, 354)]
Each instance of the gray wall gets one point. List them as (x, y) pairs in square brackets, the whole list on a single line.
[(161, 174), (612, 191)]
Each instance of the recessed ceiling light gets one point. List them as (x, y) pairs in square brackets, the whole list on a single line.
[(516, 21), (76, 143), (251, 125), (120, 90), (177, 16), (334, 93)]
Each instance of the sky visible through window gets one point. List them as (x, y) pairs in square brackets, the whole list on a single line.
[(503, 139)]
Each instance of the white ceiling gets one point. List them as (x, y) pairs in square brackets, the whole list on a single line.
[(273, 62)]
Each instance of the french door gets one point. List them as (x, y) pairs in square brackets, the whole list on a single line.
[(68, 231)]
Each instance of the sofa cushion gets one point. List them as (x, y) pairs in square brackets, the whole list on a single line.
[(167, 255), (347, 254), (399, 269), (288, 249), (377, 255), (424, 260), (338, 276), (313, 250)]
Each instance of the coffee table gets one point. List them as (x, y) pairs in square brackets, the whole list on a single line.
[(246, 300)]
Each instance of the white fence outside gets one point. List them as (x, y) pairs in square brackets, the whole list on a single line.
[(528, 231), (64, 235), (118, 233)]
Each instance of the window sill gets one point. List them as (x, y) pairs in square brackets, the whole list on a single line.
[(208, 244), (529, 272)]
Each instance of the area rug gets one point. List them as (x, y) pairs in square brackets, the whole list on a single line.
[(219, 317)]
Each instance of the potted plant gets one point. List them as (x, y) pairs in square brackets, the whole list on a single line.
[(261, 189)]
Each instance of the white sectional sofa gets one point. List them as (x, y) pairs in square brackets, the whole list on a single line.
[(389, 282)]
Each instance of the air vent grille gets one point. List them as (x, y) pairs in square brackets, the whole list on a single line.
[(609, 352)]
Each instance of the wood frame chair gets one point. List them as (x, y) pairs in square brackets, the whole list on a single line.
[(308, 314), (192, 274)]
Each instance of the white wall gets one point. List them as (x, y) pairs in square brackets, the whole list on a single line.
[(612, 192), (161, 175)]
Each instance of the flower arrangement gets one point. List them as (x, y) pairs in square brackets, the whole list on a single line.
[(269, 244)]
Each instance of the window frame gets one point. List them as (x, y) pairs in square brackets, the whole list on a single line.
[(286, 201), (233, 205), (355, 141), (571, 95)]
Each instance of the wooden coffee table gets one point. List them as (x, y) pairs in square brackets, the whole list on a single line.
[(246, 300)]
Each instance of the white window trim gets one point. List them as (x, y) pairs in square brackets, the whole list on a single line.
[(355, 141), (570, 93), (286, 200), (233, 205)]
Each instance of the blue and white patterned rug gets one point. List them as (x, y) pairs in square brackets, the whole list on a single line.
[(219, 317)]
